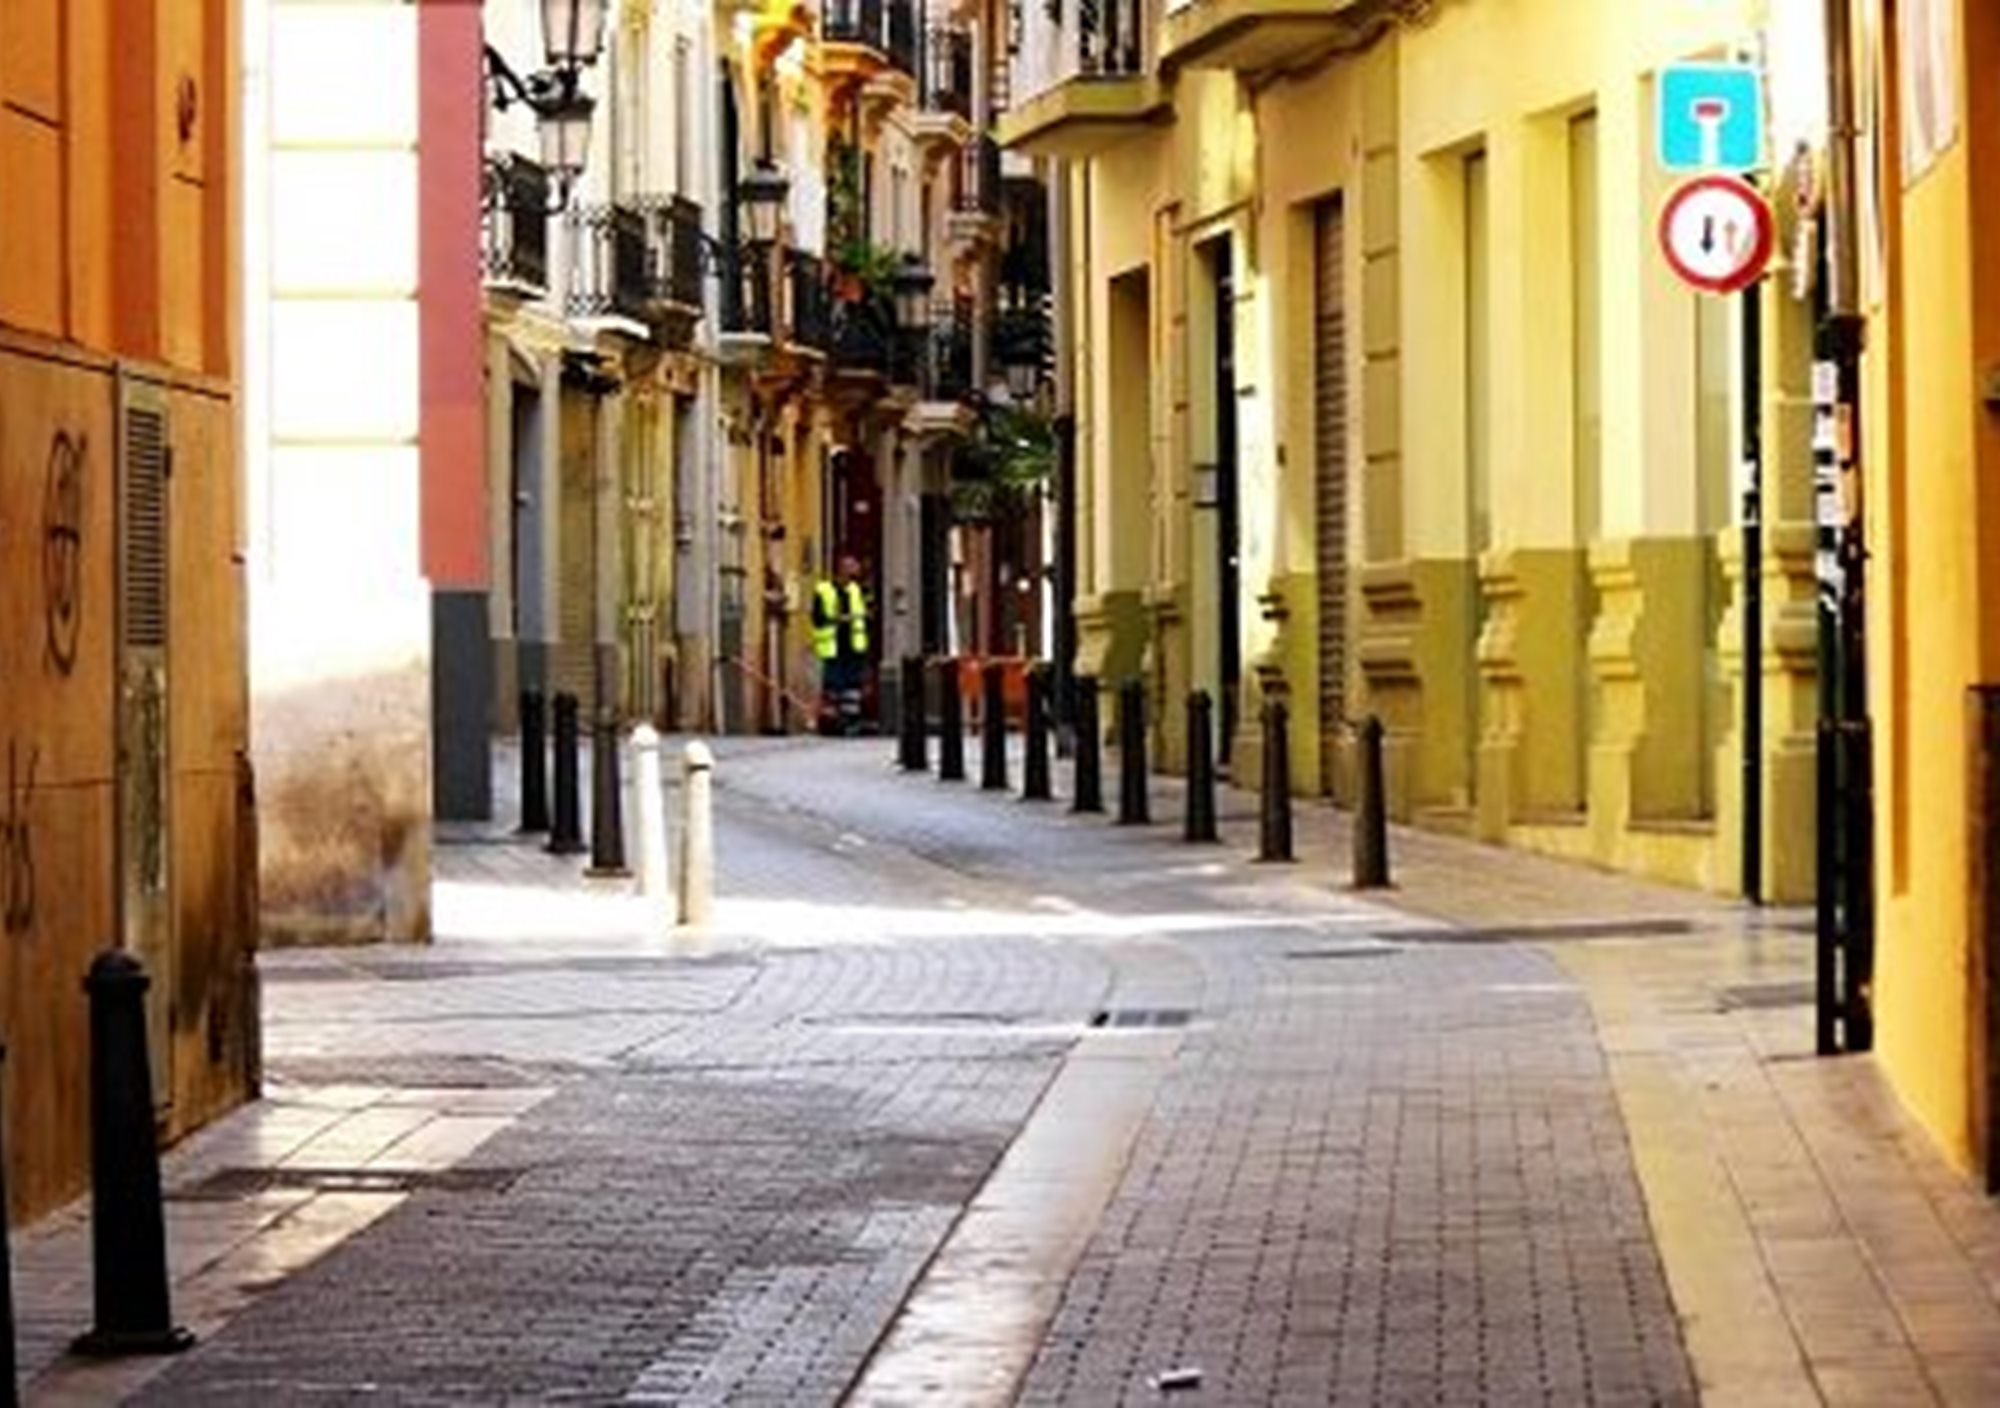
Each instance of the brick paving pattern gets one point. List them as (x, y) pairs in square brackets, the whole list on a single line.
[(1395, 1179), (1377, 1171)]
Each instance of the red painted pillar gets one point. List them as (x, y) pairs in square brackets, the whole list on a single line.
[(452, 428)]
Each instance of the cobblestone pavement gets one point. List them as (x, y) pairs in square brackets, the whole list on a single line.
[(1381, 1169), (1363, 1164)]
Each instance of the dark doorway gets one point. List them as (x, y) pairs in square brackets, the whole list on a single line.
[(524, 533), (934, 569), (1330, 480), (1228, 505)]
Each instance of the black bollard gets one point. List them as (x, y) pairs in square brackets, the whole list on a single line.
[(534, 763), (1135, 806), (607, 803), (1200, 821), (951, 723), (566, 835), (1088, 764), (911, 723), (128, 1231), (1274, 832), (1371, 813), (993, 729), (1035, 766)]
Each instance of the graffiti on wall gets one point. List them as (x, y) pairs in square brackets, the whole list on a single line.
[(17, 843), (62, 549)]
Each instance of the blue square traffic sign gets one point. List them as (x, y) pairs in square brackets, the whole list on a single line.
[(1711, 117)]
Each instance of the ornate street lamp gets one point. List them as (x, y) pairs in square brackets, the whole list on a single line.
[(572, 39), (762, 196), (565, 134), (1024, 379), (572, 32), (912, 289)]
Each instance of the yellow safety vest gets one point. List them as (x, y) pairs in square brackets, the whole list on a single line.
[(825, 637)]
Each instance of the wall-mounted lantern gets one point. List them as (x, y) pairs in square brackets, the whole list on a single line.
[(572, 40)]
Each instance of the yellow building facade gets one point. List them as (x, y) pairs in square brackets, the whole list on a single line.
[(1387, 403), (1930, 450)]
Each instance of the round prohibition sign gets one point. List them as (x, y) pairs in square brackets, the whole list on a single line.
[(1718, 233)]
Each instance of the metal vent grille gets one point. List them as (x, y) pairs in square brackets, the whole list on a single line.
[(145, 584)]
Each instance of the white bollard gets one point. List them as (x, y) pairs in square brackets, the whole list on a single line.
[(655, 883), (697, 837)]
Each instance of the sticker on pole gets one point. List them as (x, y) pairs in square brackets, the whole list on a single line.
[(1717, 233), (1711, 117)]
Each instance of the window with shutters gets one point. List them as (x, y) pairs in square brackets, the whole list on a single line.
[(1330, 441)]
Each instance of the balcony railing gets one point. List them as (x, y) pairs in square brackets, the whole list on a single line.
[(887, 26), (853, 22), (866, 338), (905, 37), (809, 323), (948, 365), (673, 252), (1023, 333), (863, 334), (1110, 38), (516, 235), (979, 177), (948, 71), (610, 263), (744, 270)]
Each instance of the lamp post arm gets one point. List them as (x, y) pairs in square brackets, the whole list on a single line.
[(546, 91)]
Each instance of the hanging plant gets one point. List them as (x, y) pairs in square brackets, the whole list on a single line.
[(1003, 463), (864, 270), (1024, 448)]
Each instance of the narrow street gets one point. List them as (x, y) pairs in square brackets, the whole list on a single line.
[(965, 1100)]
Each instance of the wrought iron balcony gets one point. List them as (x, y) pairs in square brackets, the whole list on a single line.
[(1111, 38), (673, 247), (905, 37), (890, 27), (979, 178), (864, 337), (610, 263), (1023, 333), (744, 272), (948, 364), (810, 323), (516, 235), (947, 75)]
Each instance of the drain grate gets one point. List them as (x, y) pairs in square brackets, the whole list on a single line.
[(231, 1184), (913, 1019), (1552, 932), (1747, 997), (1347, 951), (1127, 1017)]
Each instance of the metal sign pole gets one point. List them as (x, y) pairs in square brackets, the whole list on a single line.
[(1846, 918)]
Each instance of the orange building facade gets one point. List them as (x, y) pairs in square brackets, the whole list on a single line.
[(126, 812)]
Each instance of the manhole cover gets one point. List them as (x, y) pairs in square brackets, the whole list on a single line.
[(1142, 1017), (229, 1184)]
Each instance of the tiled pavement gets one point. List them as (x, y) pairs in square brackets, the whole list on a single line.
[(1357, 1164)]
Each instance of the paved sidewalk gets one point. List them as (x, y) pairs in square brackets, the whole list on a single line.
[(967, 1100), (1817, 1248)]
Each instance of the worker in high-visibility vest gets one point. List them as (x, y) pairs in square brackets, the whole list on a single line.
[(840, 641)]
